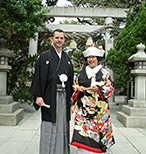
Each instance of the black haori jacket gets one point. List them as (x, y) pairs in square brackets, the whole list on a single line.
[(45, 82)]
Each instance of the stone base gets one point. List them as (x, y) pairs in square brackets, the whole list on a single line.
[(133, 114), (6, 99), (137, 103), (132, 111), (11, 119), (9, 108), (121, 99), (131, 121), (10, 114)]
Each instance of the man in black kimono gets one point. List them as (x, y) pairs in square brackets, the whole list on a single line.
[(52, 89)]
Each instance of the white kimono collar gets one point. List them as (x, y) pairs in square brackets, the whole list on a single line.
[(59, 54), (92, 71)]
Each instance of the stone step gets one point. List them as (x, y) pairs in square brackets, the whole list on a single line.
[(131, 121), (6, 99), (134, 111), (137, 103), (11, 119), (9, 108), (121, 99)]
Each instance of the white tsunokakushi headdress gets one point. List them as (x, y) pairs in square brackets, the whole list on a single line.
[(93, 51)]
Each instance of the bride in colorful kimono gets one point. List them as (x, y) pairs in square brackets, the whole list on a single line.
[(92, 87)]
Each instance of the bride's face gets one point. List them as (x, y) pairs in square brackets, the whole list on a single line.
[(92, 61)]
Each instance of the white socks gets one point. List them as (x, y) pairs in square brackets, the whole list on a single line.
[(82, 151)]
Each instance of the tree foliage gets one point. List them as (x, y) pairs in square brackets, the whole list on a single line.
[(105, 3), (19, 21), (23, 73), (127, 40)]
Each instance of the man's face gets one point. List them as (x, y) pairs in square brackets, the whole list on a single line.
[(58, 39)]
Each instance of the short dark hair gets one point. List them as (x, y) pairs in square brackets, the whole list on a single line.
[(57, 30)]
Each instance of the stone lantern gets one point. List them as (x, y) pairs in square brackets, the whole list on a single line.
[(134, 114), (4, 67), (139, 71), (10, 114)]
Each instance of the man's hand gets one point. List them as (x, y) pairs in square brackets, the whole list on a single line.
[(39, 101)]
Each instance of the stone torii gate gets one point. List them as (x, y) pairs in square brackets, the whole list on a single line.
[(108, 13)]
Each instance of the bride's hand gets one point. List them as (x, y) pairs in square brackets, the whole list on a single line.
[(93, 88), (81, 88)]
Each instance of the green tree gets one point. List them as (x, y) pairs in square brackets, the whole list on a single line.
[(127, 40), (106, 3), (19, 21)]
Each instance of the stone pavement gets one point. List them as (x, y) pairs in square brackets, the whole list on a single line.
[(24, 138)]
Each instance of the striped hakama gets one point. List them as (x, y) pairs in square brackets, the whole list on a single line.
[(55, 136)]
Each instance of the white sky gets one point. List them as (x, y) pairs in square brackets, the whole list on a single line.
[(63, 3), (60, 3)]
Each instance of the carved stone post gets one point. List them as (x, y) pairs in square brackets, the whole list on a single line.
[(33, 45), (108, 39), (108, 45)]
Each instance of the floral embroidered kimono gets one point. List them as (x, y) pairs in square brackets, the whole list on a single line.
[(92, 130)]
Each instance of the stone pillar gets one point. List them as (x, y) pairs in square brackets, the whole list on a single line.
[(108, 45), (108, 39), (33, 45), (134, 114), (9, 112)]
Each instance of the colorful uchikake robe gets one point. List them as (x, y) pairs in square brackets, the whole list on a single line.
[(92, 130)]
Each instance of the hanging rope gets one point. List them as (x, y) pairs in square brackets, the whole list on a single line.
[(84, 34)]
